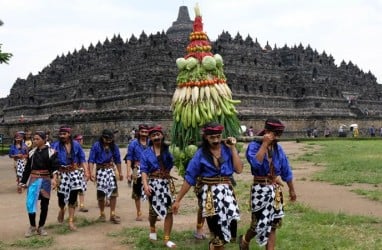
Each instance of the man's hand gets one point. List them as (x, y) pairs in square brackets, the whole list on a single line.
[(175, 207), (54, 183), (292, 195), (20, 187), (147, 190)]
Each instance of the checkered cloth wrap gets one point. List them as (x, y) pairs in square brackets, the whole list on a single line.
[(70, 181), (84, 182), (106, 181), (262, 198), (20, 166), (161, 196), (225, 205)]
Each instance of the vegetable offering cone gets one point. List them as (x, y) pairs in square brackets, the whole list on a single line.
[(202, 94)]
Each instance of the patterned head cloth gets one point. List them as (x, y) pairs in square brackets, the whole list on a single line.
[(78, 137), (273, 125), (157, 128), (65, 128), (212, 128)]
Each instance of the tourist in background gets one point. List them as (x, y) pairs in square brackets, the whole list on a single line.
[(41, 170), (156, 163), (105, 155), (81, 193), (132, 159), (372, 131), (28, 138), (214, 163), (269, 167), (71, 158), (18, 151)]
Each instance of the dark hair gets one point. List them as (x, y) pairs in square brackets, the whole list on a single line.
[(40, 133)]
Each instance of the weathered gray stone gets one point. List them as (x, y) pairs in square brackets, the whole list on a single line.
[(122, 83)]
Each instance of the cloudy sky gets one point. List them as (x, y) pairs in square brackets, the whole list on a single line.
[(39, 30)]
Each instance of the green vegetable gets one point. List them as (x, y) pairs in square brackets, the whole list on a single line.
[(190, 150), (219, 60), (181, 63), (209, 63), (191, 63)]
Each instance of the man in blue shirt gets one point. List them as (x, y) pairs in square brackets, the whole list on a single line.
[(269, 167), (71, 158), (214, 163), (156, 163), (134, 151), (105, 155)]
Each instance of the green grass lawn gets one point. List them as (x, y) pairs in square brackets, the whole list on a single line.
[(346, 162)]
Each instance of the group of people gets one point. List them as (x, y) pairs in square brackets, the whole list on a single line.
[(62, 166)]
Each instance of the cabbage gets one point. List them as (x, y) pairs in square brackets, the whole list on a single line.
[(191, 62), (219, 60), (190, 150), (181, 63), (209, 63), (175, 151)]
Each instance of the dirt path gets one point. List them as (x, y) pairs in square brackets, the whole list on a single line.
[(318, 195), (324, 196)]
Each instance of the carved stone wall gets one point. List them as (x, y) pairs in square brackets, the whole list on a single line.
[(121, 83)]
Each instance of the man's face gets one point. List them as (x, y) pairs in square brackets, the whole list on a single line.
[(143, 132), (156, 137), (18, 138), (63, 136), (214, 140), (107, 140)]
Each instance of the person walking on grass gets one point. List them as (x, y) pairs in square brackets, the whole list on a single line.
[(134, 151), (72, 162), (18, 151), (156, 163), (41, 170), (81, 193), (269, 167), (214, 163), (105, 156)]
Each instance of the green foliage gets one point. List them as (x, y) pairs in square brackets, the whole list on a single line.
[(347, 162), (182, 157), (4, 57), (34, 242), (375, 195), (303, 228)]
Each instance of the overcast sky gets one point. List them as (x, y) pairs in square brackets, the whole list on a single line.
[(36, 31)]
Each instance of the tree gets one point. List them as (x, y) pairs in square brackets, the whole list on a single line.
[(4, 57)]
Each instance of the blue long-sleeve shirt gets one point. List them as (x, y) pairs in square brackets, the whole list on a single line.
[(149, 162), (76, 155), (279, 159), (98, 155), (200, 166), (134, 151), (14, 150)]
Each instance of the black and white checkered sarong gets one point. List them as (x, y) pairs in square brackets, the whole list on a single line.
[(161, 196), (20, 166), (262, 199), (225, 205), (106, 181), (84, 182), (70, 181)]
